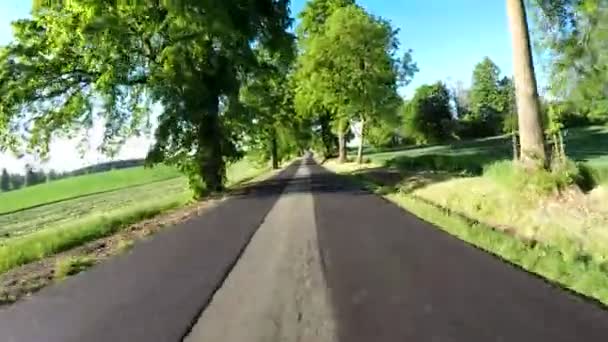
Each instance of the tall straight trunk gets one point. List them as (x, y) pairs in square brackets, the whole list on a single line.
[(210, 159), (341, 143), (532, 142), (274, 155), (361, 137)]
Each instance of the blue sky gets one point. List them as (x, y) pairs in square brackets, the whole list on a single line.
[(448, 37)]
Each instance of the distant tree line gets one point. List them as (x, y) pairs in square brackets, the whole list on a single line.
[(30, 176), (34, 176), (107, 166)]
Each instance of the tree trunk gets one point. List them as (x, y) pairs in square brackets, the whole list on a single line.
[(361, 137), (274, 155), (210, 159), (532, 144), (327, 137), (562, 147), (515, 150), (341, 143)]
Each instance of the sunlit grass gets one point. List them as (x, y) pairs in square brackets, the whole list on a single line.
[(74, 187)]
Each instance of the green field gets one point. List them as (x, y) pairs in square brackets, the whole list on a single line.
[(50, 218), (82, 185)]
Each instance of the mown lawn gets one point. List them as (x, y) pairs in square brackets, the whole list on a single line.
[(71, 220)]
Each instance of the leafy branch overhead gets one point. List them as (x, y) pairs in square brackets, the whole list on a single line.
[(215, 80), (78, 61)]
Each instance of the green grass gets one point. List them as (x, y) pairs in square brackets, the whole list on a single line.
[(71, 266), (42, 231), (585, 145), (477, 179), (81, 186), (563, 264), (59, 214)]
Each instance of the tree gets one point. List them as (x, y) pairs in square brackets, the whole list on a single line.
[(356, 71), (17, 181), (269, 97), (509, 106), (188, 56), (53, 175), (486, 103), (30, 175), (308, 101), (5, 181), (428, 117), (315, 14), (532, 143), (462, 100), (386, 132), (33, 176), (574, 35)]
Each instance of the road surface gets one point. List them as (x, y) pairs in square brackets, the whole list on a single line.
[(304, 256)]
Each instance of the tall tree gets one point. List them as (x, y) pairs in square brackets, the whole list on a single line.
[(5, 181), (308, 101), (188, 56), (268, 95), (486, 103), (356, 70), (532, 141)]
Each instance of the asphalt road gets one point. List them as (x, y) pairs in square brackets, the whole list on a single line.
[(394, 277), (370, 269), (155, 292)]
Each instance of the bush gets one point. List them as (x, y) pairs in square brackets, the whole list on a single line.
[(517, 178), (427, 117)]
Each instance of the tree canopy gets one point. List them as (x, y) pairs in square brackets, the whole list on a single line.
[(428, 116), (576, 38), (78, 61)]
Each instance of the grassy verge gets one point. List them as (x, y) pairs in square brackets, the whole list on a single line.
[(562, 264)]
